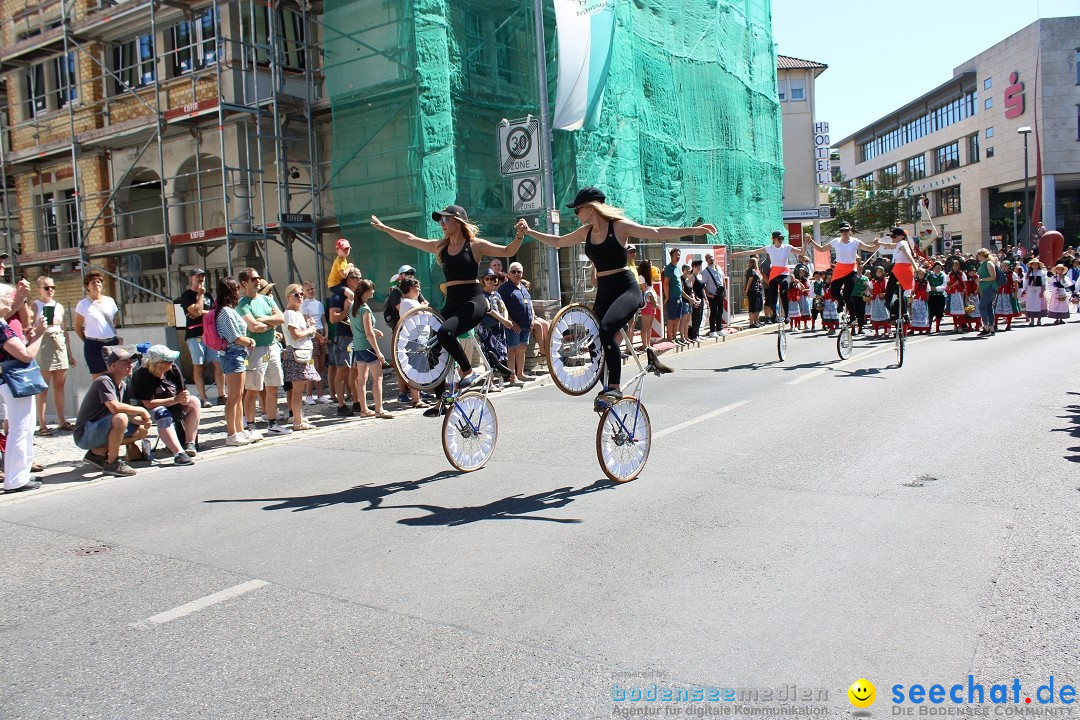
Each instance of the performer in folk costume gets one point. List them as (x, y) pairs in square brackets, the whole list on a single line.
[(920, 311), (794, 307), (804, 296), (1004, 308), (879, 313), (1034, 294), (935, 301), (954, 287), (1060, 290), (860, 295), (817, 292), (830, 317), (1017, 276), (971, 299)]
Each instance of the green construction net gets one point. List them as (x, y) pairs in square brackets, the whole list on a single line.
[(690, 126)]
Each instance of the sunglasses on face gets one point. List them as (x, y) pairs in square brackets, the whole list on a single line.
[(515, 272), (48, 287), (444, 220), (298, 294)]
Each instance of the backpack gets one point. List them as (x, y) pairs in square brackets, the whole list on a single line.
[(1001, 278), (210, 335)]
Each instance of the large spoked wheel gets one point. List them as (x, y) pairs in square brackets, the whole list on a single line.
[(781, 340), (623, 439), (844, 343), (469, 431), (900, 342), (575, 357), (421, 360)]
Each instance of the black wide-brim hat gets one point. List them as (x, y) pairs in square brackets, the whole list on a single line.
[(454, 211), (588, 195)]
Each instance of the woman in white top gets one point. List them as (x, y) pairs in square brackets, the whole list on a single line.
[(777, 285), (94, 318), (902, 274), (313, 308), (55, 357), (847, 252), (297, 362)]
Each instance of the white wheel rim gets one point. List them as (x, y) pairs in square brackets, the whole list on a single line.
[(415, 334), (471, 430), (782, 343), (623, 456), (845, 343), (572, 338)]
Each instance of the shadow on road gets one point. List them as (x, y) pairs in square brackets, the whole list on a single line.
[(861, 372), (515, 507), (371, 494), (1073, 429)]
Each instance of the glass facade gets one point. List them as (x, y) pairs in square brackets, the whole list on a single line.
[(938, 118)]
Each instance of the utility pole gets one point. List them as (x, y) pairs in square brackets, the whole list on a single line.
[(552, 289)]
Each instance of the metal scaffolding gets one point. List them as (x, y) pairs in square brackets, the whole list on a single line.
[(245, 85)]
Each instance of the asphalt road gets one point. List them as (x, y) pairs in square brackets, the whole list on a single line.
[(802, 523)]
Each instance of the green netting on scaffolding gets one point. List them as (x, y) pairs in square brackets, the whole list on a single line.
[(690, 126)]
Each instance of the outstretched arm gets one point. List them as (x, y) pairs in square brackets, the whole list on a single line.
[(486, 247), (629, 229), (568, 240), (742, 253), (406, 237)]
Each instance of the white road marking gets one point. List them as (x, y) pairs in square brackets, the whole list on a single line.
[(700, 419), (205, 602)]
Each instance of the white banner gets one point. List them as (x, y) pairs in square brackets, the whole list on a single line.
[(584, 29)]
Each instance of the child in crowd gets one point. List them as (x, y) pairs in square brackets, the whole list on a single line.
[(1060, 289), (971, 299), (1034, 294), (1005, 305), (830, 318), (920, 309), (794, 308), (817, 293), (340, 268), (955, 289), (879, 314)]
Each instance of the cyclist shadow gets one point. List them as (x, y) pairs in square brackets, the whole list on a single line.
[(1073, 430), (515, 507), (371, 494), (861, 372), (731, 368)]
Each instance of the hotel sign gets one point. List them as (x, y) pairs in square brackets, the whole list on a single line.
[(822, 163)]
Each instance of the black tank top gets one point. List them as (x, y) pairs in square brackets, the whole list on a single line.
[(462, 266), (608, 255)]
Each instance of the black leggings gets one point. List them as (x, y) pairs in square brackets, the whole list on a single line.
[(841, 290), (618, 297), (465, 307), (894, 297), (777, 289)]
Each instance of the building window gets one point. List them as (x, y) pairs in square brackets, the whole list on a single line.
[(288, 37), (67, 90), (35, 90), (781, 88), (989, 132), (947, 157), (916, 168), (798, 89), (49, 85), (866, 182), (1078, 67), (937, 119), (949, 200), (193, 44), (973, 149), (988, 103), (58, 227), (990, 152), (134, 63), (987, 84)]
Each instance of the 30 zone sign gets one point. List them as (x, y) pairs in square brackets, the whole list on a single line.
[(519, 146)]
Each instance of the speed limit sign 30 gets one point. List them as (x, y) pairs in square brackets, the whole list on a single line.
[(519, 146)]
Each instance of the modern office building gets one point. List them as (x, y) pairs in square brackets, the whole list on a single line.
[(960, 144)]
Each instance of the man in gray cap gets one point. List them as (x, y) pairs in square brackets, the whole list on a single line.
[(105, 423)]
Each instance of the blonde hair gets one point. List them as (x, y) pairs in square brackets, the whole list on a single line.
[(293, 287), (608, 212), (42, 279), (468, 230)]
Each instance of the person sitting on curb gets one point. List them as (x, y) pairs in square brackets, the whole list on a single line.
[(104, 422), (160, 388)]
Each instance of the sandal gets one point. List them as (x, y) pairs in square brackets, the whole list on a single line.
[(67, 426), (384, 416), (367, 414), (45, 431), (303, 426), (420, 404)]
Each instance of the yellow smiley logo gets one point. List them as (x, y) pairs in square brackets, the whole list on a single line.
[(862, 693)]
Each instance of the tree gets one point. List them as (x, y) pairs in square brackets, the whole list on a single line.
[(874, 206)]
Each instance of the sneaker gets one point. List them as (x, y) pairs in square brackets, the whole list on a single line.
[(308, 400), (357, 407), (33, 484), (325, 399), (221, 400), (190, 450), (404, 398), (467, 381), (344, 411), (182, 459), (119, 468), (94, 459), (237, 440), (252, 436), (610, 395), (279, 429)]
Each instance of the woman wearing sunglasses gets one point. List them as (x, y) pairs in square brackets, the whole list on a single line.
[(459, 251), (618, 295), (55, 357), (298, 362)]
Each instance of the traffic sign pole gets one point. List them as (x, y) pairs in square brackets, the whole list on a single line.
[(552, 286)]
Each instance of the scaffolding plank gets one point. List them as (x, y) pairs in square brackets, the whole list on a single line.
[(198, 236), (31, 48), (121, 247), (39, 152), (117, 131), (49, 257)]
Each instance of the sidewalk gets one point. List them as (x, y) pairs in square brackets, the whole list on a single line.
[(65, 468)]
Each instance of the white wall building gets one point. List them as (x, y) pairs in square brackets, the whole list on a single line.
[(795, 85)]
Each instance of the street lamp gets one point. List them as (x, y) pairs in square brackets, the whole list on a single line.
[(1025, 131)]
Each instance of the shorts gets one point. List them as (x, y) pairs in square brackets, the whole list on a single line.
[(676, 308), (341, 351), (200, 353), (95, 361), (514, 339), (95, 433), (233, 360), (364, 356), (264, 368)]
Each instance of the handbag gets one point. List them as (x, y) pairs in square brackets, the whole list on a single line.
[(23, 379), (302, 355)]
